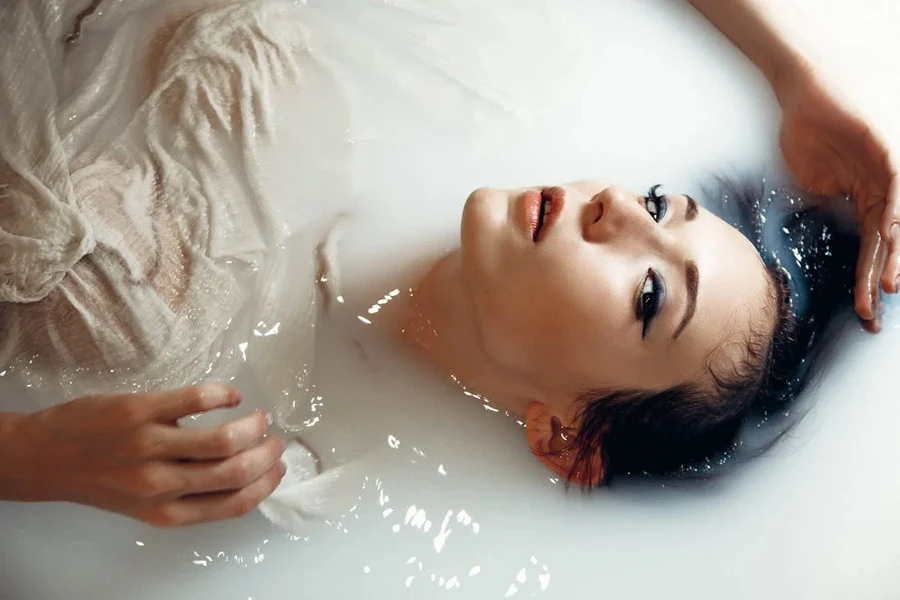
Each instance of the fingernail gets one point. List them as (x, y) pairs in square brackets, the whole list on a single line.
[(270, 419), (895, 233), (282, 468)]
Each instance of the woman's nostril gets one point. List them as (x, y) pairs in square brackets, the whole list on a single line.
[(599, 211)]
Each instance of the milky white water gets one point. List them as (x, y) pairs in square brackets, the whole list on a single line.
[(526, 92)]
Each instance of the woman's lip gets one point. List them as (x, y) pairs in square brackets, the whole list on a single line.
[(556, 196), (530, 211)]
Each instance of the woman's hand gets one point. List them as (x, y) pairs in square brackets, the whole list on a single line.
[(126, 453), (832, 149), (831, 146)]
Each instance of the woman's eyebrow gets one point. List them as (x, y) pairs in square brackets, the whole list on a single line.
[(691, 211), (692, 279)]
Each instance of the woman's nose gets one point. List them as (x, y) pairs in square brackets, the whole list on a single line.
[(616, 212)]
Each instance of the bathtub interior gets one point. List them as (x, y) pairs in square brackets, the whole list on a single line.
[(633, 92)]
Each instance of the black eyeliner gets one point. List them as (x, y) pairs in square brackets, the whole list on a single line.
[(651, 308)]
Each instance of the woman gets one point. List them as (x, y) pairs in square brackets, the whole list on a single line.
[(695, 336)]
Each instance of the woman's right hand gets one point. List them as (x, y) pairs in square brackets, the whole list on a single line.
[(126, 453)]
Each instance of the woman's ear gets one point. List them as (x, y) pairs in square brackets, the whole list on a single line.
[(555, 444)]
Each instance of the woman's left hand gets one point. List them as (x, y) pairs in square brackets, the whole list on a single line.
[(832, 149)]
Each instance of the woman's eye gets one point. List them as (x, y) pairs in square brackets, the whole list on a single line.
[(650, 300), (656, 205)]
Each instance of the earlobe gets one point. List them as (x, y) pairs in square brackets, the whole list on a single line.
[(555, 444)]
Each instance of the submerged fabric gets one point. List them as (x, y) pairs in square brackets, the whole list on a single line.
[(131, 213)]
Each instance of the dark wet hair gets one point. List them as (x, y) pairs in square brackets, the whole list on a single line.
[(810, 262)]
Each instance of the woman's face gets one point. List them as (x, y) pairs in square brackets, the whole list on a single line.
[(614, 290)]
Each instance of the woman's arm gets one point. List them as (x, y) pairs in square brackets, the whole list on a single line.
[(769, 32), (831, 144)]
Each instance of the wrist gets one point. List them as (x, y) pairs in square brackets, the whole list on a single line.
[(791, 71), (16, 469)]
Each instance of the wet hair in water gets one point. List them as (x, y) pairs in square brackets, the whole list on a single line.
[(692, 431)]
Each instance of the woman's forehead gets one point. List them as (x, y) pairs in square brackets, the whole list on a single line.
[(734, 300)]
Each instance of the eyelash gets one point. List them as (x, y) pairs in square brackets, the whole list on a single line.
[(659, 203), (652, 292)]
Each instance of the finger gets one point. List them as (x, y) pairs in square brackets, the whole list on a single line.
[(871, 255), (891, 271), (168, 407), (232, 473), (890, 231), (208, 443), (217, 506), (873, 326)]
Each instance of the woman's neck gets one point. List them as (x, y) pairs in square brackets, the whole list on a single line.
[(434, 310), (438, 324)]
